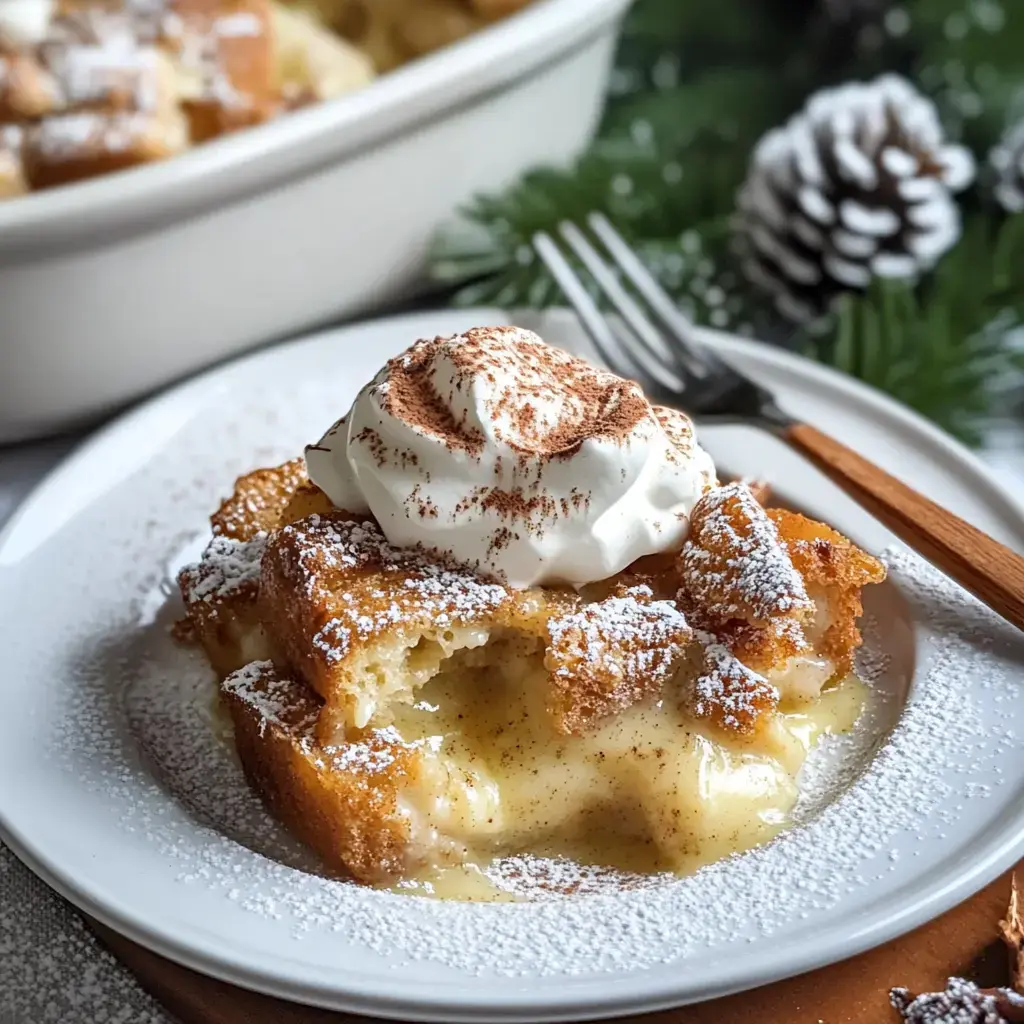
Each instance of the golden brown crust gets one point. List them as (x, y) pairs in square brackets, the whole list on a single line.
[(607, 656), (220, 590), (836, 568), (343, 803), (259, 501), (245, 94), (738, 581), (772, 585), (728, 695), (734, 566), (58, 151), (221, 613), (340, 602)]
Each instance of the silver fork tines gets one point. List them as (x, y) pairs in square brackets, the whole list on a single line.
[(658, 347), (652, 344), (670, 357), (647, 357)]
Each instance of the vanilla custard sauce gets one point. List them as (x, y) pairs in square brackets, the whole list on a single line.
[(650, 790)]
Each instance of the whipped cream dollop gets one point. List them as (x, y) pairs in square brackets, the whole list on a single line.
[(514, 458)]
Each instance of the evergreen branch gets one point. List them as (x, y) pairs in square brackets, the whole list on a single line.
[(729, 105), (945, 349), (968, 58), (663, 39), (963, 36), (672, 215)]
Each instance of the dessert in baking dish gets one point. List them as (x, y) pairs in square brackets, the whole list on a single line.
[(504, 606), (93, 86), (393, 32)]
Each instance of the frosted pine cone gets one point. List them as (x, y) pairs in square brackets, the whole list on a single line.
[(1007, 161), (961, 1003), (858, 185)]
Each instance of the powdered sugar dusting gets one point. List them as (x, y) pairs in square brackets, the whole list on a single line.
[(271, 698), (609, 655), (728, 690), (761, 574), (631, 635), (226, 567), (909, 789), (274, 698), (372, 755), (556, 878), (69, 136), (413, 585)]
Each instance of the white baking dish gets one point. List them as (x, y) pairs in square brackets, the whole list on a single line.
[(118, 285)]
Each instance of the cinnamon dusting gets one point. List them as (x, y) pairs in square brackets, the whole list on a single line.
[(408, 393), (593, 403)]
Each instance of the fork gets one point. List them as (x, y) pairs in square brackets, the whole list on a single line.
[(676, 368)]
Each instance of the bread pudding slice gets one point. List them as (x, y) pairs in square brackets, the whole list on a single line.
[(480, 765), (365, 624), (220, 590), (346, 803), (402, 714)]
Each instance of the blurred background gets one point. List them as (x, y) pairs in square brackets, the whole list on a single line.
[(845, 177)]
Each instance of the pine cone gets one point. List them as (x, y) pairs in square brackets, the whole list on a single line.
[(858, 185), (961, 1003), (1007, 160)]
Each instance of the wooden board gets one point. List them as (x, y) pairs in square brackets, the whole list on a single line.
[(964, 942)]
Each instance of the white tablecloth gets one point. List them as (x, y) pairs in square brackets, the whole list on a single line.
[(51, 967)]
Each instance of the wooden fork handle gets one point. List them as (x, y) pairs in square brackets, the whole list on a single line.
[(988, 569)]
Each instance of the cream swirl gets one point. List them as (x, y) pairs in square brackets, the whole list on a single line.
[(515, 458)]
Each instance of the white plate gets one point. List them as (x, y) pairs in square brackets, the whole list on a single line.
[(115, 788)]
